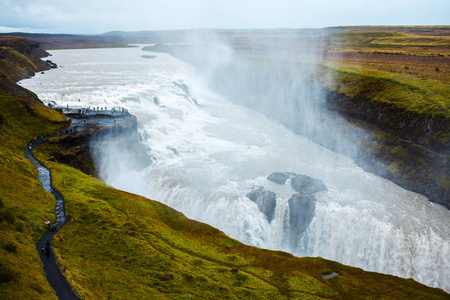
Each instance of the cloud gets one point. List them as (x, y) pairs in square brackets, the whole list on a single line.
[(87, 16)]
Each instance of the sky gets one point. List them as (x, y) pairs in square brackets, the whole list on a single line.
[(99, 16)]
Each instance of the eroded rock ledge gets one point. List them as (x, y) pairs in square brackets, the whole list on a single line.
[(75, 145), (407, 148)]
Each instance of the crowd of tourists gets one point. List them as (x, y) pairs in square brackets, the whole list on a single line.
[(89, 111)]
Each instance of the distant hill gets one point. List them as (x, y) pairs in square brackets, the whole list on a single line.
[(64, 41)]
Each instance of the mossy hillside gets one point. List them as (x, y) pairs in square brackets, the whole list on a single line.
[(29, 48), (120, 245), (427, 97), (24, 205), (14, 65)]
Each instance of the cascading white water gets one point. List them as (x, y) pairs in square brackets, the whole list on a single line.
[(208, 157)]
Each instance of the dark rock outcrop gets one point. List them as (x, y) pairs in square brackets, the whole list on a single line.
[(23, 45), (300, 183), (408, 148), (185, 89), (427, 131), (301, 209), (278, 177), (79, 144), (31, 49), (301, 206), (301, 212), (266, 201), (120, 143), (307, 185), (20, 58), (51, 64)]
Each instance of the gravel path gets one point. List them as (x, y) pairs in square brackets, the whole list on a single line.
[(51, 268)]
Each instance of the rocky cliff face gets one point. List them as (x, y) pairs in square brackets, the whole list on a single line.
[(408, 148), (79, 145), (430, 132), (30, 49), (23, 45), (20, 58)]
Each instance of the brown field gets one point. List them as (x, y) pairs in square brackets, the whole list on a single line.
[(425, 67), (413, 51)]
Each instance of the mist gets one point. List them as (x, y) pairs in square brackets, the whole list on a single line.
[(278, 76)]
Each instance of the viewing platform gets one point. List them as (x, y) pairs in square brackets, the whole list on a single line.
[(85, 112), (79, 116)]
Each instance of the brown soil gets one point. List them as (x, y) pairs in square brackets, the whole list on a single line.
[(391, 59)]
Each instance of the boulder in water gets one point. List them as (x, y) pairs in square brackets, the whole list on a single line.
[(182, 86), (301, 212), (266, 201), (307, 185), (279, 177), (300, 183)]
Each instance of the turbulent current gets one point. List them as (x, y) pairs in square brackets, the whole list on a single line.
[(209, 156)]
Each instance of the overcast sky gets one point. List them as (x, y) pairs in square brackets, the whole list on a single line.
[(99, 16)]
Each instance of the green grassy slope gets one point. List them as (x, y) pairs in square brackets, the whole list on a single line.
[(422, 96), (24, 205)]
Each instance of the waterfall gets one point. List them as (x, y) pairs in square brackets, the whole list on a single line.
[(231, 144)]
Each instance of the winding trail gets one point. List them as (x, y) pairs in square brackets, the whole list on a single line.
[(54, 275), (51, 268)]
